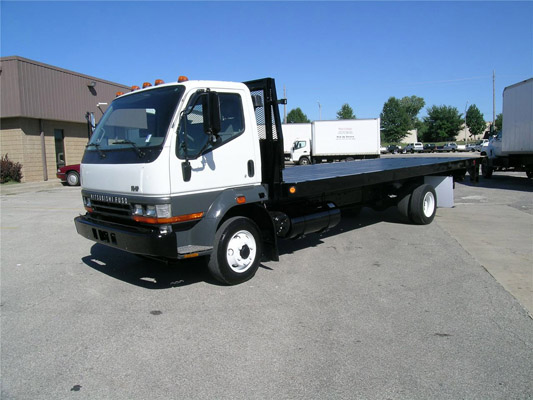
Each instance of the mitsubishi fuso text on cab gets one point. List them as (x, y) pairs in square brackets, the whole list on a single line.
[(196, 168)]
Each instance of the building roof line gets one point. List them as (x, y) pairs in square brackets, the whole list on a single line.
[(52, 67)]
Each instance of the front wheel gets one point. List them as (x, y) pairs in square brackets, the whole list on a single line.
[(423, 205), (237, 251), (73, 179), (305, 161)]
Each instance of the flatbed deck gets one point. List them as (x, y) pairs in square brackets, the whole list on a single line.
[(312, 180)]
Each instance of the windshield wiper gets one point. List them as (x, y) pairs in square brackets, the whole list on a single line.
[(97, 147), (139, 152)]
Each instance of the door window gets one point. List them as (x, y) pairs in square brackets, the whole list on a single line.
[(193, 141)]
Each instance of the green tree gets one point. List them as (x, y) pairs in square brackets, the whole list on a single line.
[(412, 106), (475, 121), (443, 123), (395, 121), (296, 115), (499, 123), (346, 112)]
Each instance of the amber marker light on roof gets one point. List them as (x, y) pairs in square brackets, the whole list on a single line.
[(119, 93), (146, 84), (135, 87), (159, 82), (183, 78)]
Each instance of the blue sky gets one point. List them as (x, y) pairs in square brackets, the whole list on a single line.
[(360, 53)]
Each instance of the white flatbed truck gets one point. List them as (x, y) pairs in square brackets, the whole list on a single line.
[(195, 168)]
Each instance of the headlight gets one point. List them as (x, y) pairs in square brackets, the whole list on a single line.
[(151, 211), (163, 210), (138, 209)]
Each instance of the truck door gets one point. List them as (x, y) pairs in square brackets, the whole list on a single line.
[(228, 161)]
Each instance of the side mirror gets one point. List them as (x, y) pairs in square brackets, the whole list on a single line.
[(186, 170), (211, 111)]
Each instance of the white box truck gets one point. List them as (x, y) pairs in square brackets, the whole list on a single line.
[(339, 140), (292, 133), (512, 148)]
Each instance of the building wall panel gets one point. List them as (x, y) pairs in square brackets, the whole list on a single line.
[(52, 93), (9, 89)]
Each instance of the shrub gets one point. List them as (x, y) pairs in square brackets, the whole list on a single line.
[(9, 170)]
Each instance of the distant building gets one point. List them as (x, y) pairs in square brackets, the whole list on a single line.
[(412, 136), (464, 133), (43, 114)]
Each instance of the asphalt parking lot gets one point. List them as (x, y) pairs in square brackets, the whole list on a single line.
[(374, 309)]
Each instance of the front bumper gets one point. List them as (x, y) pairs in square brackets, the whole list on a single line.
[(137, 240)]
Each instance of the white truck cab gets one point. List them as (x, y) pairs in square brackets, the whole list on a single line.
[(301, 151), (138, 135), (493, 148)]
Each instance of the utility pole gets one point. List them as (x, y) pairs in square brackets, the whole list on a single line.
[(493, 98), (466, 133), (285, 105), (319, 110)]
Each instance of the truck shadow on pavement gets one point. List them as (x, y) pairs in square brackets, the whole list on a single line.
[(145, 272), (517, 182), (349, 222), (157, 275)]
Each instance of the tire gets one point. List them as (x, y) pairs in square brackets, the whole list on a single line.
[(486, 170), (403, 205), (237, 251), (304, 161), (73, 178), (423, 205)]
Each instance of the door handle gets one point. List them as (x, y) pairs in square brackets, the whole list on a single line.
[(251, 168)]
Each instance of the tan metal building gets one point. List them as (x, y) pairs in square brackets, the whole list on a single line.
[(43, 114)]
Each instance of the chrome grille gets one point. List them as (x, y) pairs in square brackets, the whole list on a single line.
[(104, 207)]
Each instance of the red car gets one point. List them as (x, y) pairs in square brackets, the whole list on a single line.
[(69, 174)]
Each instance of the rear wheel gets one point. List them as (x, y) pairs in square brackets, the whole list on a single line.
[(423, 205), (486, 170), (403, 205), (237, 251)]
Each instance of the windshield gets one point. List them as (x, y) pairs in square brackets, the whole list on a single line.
[(136, 123)]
